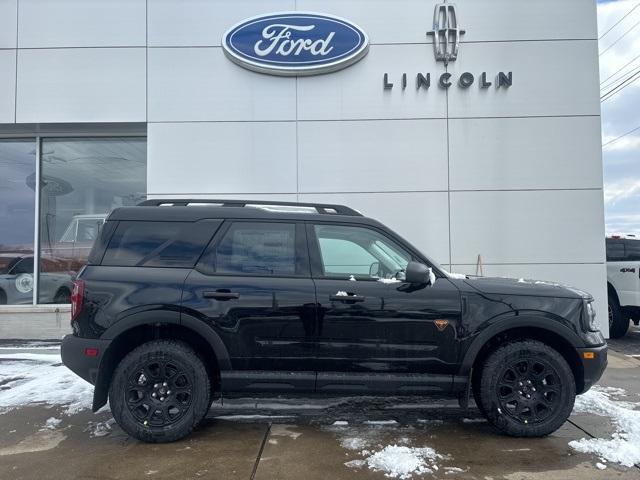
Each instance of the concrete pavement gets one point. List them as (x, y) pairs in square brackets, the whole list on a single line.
[(306, 439)]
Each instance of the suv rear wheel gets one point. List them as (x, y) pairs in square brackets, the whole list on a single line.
[(618, 322), (527, 389), (160, 391)]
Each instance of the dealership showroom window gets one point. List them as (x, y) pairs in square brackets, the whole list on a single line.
[(81, 180)]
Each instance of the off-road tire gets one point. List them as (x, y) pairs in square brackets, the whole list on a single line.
[(618, 322), (558, 389), (163, 352)]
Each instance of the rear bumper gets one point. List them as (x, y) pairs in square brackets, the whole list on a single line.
[(74, 356), (594, 362)]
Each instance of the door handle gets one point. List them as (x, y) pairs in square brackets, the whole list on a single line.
[(220, 295), (346, 298)]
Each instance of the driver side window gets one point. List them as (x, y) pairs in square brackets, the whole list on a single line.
[(359, 251)]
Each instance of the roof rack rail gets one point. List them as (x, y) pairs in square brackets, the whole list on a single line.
[(322, 208)]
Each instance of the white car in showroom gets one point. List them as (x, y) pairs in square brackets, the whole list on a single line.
[(16, 280), (623, 283)]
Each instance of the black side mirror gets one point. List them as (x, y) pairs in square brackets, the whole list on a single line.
[(417, 272)]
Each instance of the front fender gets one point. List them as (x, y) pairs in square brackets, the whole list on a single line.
[(510, 321)]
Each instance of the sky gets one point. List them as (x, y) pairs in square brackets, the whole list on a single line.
[(620, 114)]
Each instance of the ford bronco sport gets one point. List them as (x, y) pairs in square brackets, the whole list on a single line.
[(186, 300)]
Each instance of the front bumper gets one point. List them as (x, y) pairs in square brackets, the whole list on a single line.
[(594, 362), (74, 356)]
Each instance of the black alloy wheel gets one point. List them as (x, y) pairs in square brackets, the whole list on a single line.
[(527, 389), (160, 391)]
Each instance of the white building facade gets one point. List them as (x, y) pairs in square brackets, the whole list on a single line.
[(104, 102)]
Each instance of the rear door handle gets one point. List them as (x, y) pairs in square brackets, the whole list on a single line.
[(220, 295), (346, 298)]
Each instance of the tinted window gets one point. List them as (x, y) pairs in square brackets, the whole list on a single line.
[(258, 248), (615, 250), (158, 244), (359, 251), (632, 250)]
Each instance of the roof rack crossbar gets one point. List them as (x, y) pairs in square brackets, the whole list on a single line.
[(322, 208)]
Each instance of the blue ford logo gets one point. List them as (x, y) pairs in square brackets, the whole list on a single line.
[(295, 43)]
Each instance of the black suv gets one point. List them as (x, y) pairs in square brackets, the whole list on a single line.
[(185, 300)]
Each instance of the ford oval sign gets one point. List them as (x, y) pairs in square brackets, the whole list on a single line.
[(295, 43)]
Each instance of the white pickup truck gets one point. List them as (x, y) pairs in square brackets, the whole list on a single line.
[(623, 283)]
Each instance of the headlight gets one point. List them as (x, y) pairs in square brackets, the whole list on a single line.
[(590, 316), (24, 282)]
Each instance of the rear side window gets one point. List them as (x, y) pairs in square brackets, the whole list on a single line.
[(159, 244), (252, 248), (632, 250), (615, 250)]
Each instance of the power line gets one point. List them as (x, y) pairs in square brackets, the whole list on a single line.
[(621, 86), (621, 79), (623, 135), (620, 69), (619, 38), (616, 24)]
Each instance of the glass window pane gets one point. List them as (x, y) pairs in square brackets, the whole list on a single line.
[(632, 250), (82, 180), (17, 214), (158, 244), (359, 251), (258, 249), (615, 250)]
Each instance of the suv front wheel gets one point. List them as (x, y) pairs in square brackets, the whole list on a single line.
[(160, 391), (527, 389)]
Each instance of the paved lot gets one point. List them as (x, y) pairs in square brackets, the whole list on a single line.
[(312, 439)]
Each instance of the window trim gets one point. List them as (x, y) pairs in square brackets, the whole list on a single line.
[(315, 255), (206, 264)]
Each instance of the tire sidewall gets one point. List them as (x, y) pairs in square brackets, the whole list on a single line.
[(491, 374), (619, 325), (160, 350)]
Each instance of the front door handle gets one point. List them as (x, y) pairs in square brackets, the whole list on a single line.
[(220, 295), (346, 298)]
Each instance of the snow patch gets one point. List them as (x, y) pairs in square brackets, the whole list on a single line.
[(52, 423), (380, 422), (341, 293), (340, 423), (38, 378), (474, 420), (352, 278), (432, 276), (399, 461), (459, 276), (389, 280), (624, 445), (100, 429)]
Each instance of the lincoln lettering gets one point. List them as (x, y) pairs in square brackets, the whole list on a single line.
[(276, 38), (445, 80)]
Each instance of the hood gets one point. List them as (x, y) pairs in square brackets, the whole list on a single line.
[(513, 286)]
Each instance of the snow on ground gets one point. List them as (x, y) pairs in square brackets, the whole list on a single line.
[(400, 461), (624, 445), (41, 378)]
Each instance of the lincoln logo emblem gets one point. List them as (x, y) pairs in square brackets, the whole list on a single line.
[(446, 34), (441, 324)]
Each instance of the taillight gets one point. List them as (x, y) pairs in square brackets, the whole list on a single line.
[(77, 298)]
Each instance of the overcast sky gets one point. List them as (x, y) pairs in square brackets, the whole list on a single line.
[(620, 114)]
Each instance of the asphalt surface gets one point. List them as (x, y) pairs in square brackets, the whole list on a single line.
[(300, 439)]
